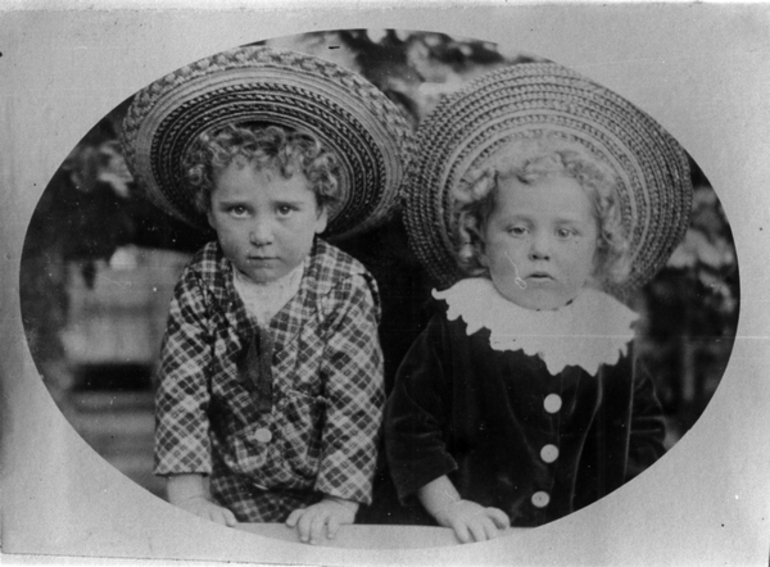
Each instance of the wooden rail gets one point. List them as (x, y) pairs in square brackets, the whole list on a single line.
[(361, 536), (366, 536)]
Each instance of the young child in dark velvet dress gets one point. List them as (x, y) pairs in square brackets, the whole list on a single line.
[(523, 401)]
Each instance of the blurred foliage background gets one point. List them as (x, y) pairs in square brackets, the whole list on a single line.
[(99, 264)]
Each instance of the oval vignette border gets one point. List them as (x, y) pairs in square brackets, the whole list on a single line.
[(729, 478)]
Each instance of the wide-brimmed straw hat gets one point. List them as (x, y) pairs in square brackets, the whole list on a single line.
[(471, 126), (349, 115)]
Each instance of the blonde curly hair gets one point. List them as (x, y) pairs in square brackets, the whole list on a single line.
[(529, 160)]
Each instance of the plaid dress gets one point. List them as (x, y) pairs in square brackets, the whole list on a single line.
[(278, 416)]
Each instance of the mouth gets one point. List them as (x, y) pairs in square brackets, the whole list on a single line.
[(540, 277)]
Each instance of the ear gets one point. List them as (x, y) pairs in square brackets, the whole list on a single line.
[(322, 219), (601, 249), (477, 244), (481, 254), (203, 200), (598, 263)]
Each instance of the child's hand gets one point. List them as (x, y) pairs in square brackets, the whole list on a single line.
[(473, 522), (330, 513), (200, 506), (190, 492)]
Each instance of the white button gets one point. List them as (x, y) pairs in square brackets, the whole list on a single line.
[(549, 453), (540, 499), (263, 435), (552, 403)]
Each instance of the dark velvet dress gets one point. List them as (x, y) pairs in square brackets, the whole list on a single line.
[(508, 433)]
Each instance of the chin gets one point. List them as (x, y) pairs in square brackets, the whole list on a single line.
[(540, 302), (260, 278)]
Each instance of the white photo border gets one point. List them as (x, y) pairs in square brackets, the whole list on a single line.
[(700, 69)]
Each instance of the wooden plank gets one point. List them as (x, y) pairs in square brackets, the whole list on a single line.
[(365, 536)]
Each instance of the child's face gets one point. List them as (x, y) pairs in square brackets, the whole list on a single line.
[(265, 223), (540, 241)]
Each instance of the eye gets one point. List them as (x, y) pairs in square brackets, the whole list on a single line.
[(518, 230), (565, 233), (238, 211), (284, 210)]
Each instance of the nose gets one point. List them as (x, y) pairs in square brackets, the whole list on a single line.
[(261, 233), (540, 247)]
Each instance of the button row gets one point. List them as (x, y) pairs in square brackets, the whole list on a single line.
[(549, 453)]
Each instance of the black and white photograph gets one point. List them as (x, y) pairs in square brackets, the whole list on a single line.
[(385, 284)]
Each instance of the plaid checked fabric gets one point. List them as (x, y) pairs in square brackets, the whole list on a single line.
[(252, 504), (320, 433)]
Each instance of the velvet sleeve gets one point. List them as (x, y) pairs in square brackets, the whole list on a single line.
[(418, 412), (648, 427)]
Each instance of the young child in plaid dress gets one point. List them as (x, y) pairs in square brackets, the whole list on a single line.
[(270, 384), (271, 389)]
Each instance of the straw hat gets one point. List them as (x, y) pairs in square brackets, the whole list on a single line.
[(349, 115), (471, 126)]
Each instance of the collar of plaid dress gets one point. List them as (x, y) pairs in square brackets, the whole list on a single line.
[(348, 114), (471, 126)]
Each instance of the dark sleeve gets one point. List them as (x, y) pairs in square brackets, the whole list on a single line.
[(627, 436), (418, 411), (648, 426)]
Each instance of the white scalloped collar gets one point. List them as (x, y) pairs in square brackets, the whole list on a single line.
[(594, 329)]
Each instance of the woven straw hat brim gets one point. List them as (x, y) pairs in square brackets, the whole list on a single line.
[(469, 127), (348, 114)]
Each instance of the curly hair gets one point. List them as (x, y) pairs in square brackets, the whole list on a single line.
[(529, 160), (264, 146)]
